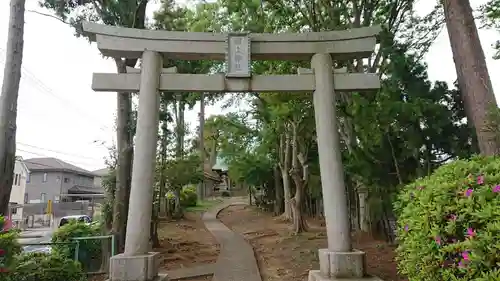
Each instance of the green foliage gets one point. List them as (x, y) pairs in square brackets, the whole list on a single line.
[(225, 193), (89, 250), (449, 223), (493, 125), (490, 17), (46, 267), (189, 197), (9, 248), (183, 171), (109, 186)]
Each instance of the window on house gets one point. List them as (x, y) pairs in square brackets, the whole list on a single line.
[(13, 211), (27, 178), (25, 198), (43, 197), (44, 177), (66, 180)]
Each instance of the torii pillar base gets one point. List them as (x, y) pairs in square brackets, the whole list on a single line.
[(340, 266), (136, 268)]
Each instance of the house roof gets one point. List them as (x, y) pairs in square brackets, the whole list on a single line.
[(78, 189), (209, 173), (53, 164), (20, 160), (101, 172)]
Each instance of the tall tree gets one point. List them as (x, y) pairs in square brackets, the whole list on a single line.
[(8, 101), (472, 72), (201, 186), (119, 13)]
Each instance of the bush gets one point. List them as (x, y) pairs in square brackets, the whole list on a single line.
[(89, 252), (189, 197), (46, 267), (449, 223), (225, 193), (9, 248)]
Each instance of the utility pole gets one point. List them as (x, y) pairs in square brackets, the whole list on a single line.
[(201, 186), (8, 101)]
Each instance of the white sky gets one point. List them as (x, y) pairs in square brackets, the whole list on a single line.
[(60, 116)]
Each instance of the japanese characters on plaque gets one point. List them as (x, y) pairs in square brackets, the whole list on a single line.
[(238, 56)]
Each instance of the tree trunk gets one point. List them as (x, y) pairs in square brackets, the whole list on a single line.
[(8, 101), (201, 190), (162, 202), (177, 208), (472, 73), (213, 152), (364, 216), (153, 229), (124, 166), (299, 175), (299, 222), (285, 167), (278, 189)]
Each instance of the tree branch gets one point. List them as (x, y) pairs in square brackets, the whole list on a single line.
[(48, 15)]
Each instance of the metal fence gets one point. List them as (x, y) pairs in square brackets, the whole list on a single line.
[(92, 252)]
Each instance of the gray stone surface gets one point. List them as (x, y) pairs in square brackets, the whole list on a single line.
[(236, 260), (190, 272), (342, 264), (134, 268), (315, 275)]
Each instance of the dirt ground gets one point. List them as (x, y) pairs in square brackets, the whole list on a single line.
[(284, 256), (186, 243)]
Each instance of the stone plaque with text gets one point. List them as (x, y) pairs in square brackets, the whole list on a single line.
[(238, 55)]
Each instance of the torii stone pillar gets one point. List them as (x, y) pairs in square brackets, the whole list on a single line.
[(137, 263), (339, 260)]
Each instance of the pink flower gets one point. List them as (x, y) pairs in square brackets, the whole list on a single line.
[(438, 240), (480, 180), (496, 189), (471, 232), (465, 256), (407, 228), (421, 187), (468, 193), (452, 217)]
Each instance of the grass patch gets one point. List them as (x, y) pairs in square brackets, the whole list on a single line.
[(204, 205)]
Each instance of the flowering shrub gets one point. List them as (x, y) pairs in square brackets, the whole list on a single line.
[(9, 248), (449, 223)]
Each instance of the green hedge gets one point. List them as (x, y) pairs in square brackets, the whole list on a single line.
[(449, 223), (46, 267), (89, 253)]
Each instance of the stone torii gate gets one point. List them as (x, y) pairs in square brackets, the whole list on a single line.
[(138, 263)]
